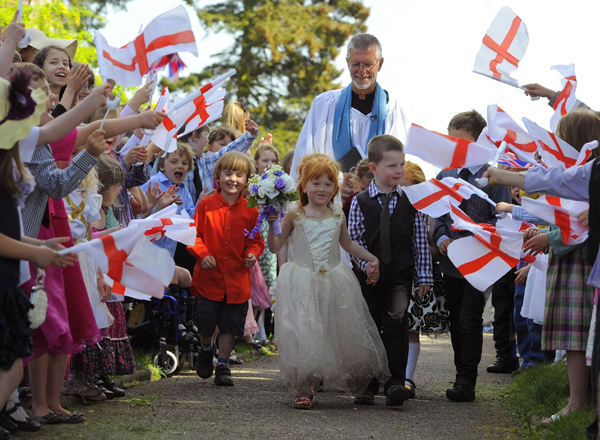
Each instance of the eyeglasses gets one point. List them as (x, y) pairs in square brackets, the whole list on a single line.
[(87, 87), (367, 66)]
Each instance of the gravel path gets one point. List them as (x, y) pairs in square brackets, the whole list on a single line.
[(258, 407)]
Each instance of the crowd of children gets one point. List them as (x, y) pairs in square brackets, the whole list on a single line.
[(68, 178)]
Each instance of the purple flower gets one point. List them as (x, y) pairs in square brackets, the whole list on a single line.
[(254, 189), (264, 176), (278, 173), (279, 184)]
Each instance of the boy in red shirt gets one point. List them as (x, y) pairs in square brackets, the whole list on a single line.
[(221, 280)]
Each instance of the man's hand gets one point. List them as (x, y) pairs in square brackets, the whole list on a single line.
[(444, 246), (584, 218), (209, 263), (521, 274), (251, 126), (96, 144), (424, 290), (250, 260), (537, 244)]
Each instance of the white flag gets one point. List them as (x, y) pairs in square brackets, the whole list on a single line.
[(566, 100)]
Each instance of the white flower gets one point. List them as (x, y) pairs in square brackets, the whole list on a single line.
[(289, 183), (262, 192)]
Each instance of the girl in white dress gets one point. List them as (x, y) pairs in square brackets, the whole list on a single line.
[(324, 329)]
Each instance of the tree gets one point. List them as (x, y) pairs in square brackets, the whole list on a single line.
[(284, 52)]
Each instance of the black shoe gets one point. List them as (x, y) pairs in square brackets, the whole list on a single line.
[(4, 434), (8, 424), (108, 393), (204, 366), (27, 425), (109, 384), (460, 393), (503, 365), (366, 398), (396, 395), (223, 376)]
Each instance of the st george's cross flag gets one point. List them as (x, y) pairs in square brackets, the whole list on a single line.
[(197, 109), (501, 127), (486, 256), (167, 223), (554, 151), (445, 151), (503, 47), (566, 100), (434, 197), (167, 34), (129, 259), (562, 213)]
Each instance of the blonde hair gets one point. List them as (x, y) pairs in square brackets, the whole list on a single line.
[(266, 147), (312, 167), (110, 173), (234, 116), (99, 113), (360, 171), (234, 161), (414, 173), (184, 151), (90, 183)]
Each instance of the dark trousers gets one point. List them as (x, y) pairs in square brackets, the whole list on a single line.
[(529, 334), (388, 303), (503, 300), (465, 307), (592, 430)]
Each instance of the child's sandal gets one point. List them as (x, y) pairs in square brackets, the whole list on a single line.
[(302, 403), (410, 387)]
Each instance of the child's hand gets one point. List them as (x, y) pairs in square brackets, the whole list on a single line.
[(490, 173), (150, 120), (14, 32), (168, 197), (537, 244), (109, 231), (424, 290), (99, 94), (251, 126), (536, 91), (530, 233), (444, 246), (268, 140), (522, 274), (372, 272), (205, 193), (209, 263), (142, 95), (250, 260), (131, 156), (104, 289), (77, 78), (272, 217), (96, 144), (584, 218), (504, 207)]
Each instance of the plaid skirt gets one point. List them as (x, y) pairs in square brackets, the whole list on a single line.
[(569, 302)]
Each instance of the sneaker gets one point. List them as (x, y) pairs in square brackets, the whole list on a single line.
[(204, 366), (396, 395), (460, 393), (223, 376)]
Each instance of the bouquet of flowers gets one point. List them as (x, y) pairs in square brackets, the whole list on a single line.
[(271, 192)]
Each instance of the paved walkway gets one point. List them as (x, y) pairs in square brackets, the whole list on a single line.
[(258, 407)]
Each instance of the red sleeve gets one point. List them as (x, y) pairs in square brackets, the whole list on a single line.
[(62, 149)]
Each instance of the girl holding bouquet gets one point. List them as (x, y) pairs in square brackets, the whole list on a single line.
[(324, 329)]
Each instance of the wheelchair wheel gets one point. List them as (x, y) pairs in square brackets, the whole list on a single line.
[(170, 366)]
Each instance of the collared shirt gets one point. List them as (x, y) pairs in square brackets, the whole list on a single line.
[(220, 232), (206, 164), (164, 184), (356, 229)]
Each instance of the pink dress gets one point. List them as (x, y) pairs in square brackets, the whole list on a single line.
[(261, 297)]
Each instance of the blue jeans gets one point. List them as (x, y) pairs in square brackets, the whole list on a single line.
[(529, 334)]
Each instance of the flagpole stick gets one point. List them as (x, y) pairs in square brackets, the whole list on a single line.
[(483, 181), (110, 105), (27, 38)]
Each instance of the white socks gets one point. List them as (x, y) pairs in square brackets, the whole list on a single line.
[(20, 413), (414, 348)]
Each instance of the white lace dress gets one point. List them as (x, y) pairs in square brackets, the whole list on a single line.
[(323, 326)]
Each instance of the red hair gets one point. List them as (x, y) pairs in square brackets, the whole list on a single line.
[(312, 167)]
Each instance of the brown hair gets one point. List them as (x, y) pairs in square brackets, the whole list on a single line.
[(110, 172), (17, 57), (8, 160), (40, 58), (234, 115), (471, 121), (580, 127), (266, 147), (360, 171), (186, 138), (184, 151), (234, 161), (312, 167), (36, 72), (414, 173), (288, 158), (382, 144), (219, 133)]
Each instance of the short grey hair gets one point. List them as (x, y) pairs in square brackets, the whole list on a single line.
[(364, 42)]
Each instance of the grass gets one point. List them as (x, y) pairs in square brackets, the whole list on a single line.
[(541, 391), (145, 359)]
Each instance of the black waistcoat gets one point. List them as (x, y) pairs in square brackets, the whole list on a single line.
[(401, 232)]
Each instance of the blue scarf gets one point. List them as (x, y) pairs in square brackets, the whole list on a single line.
[(342, 138)]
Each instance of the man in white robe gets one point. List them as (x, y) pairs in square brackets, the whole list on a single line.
[(320, 133)]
